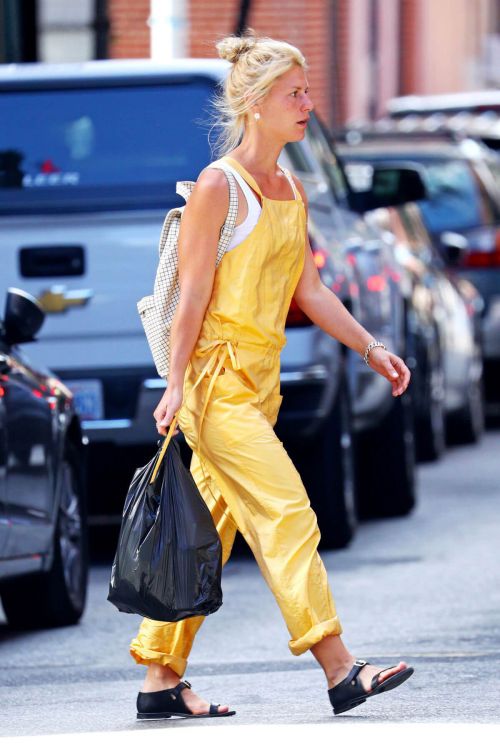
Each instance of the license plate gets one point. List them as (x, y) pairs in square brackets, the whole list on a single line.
[(89, 402)]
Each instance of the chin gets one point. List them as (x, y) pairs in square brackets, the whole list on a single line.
[(297, 137)]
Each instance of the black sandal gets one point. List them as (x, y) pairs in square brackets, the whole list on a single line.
[(162, 704), (350, 693)]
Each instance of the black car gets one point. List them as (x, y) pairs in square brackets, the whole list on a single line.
[(43, 525)]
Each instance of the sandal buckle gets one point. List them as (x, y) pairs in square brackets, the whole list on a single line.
[(360, 663), (186, 683)]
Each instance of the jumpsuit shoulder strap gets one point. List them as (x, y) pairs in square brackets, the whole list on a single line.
[(243, 172)]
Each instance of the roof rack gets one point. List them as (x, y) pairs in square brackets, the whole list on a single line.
[(357, 135), (467, 101)]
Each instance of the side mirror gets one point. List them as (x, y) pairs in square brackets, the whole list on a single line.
[(454, 247), (23, 317), (391, 185)]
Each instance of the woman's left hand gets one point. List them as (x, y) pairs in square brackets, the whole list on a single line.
[(391, 367)]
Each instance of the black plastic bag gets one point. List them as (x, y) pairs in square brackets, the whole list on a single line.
[(168, 561)]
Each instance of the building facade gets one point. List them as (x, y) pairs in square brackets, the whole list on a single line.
[(360, 52)]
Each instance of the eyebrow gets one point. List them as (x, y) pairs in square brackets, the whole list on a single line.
[(299, 87)]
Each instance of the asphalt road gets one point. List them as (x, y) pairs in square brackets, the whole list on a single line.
[(425, 588)]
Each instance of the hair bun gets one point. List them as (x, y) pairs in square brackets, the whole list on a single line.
[(232, 47)]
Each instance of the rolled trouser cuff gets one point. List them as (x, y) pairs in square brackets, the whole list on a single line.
[(315, 635), (145, 656)]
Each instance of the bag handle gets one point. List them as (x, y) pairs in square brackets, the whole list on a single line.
[(164, 447)]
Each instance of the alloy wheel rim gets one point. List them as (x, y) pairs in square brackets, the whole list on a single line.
[(70, 536), (348, 465)]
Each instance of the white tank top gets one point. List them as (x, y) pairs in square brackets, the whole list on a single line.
[(254, 208)]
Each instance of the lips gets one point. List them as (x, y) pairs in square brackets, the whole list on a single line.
[(303, 122)]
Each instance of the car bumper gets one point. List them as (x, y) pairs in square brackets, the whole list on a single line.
[(307, 398), (491, 330)]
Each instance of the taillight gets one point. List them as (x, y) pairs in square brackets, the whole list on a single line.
[(484, 249), (296, 318), (376, 283), (480, 259)]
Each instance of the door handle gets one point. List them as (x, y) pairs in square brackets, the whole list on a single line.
[(58, 298), (52, 260)]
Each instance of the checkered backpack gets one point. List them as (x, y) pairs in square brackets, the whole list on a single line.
[(157, 309)]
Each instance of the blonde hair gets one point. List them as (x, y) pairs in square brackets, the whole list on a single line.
[(256, 64)]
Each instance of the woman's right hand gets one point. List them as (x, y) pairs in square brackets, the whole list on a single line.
[(169, 405)]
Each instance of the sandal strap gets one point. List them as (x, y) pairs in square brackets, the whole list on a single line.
[(175, 694), (214, 709), (355, 670), (374, 683)]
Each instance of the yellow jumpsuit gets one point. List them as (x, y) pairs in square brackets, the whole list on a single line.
[(230, 406)]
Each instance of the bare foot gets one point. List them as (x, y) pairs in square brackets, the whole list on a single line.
[(197, 705), (159, 677), (366, 674)]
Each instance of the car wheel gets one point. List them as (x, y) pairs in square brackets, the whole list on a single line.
[(431, 419), (385, 460), (326, 465), (467, 425), (56, 597)]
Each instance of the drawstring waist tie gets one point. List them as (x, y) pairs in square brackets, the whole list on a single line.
[(220, 351)]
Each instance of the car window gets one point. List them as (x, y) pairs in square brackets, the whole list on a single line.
[(122, 144), (300, 158), (455, 198), (320, 143)]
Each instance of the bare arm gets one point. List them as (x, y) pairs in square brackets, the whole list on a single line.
[(202, 218), (325, 309)]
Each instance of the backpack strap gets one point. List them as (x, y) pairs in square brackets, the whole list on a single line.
[(184, 188), (232, 214)]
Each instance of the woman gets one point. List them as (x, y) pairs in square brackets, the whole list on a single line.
[(224, 380)]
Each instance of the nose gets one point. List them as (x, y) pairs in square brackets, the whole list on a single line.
[(307, 104)]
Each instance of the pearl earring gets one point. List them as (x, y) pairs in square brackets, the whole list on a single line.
[(256, 115)]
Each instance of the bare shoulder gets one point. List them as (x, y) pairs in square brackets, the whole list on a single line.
[(212, 182), (209, 199)]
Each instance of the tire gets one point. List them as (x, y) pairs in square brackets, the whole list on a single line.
[(56, 597), (326, 465), (431, 418), (466, 426), (385, 458)]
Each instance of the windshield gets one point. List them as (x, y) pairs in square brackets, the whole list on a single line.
[(455, 199), (120, 146)]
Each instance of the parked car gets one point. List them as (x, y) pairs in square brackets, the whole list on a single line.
[(461, 214), (383, 426), (444, 335), (83, 203), (43, 532), (484, 127), (475, 102)]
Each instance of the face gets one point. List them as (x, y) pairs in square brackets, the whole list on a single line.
[(285, 109)]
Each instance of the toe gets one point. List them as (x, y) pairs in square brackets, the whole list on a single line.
[(389, 672)]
